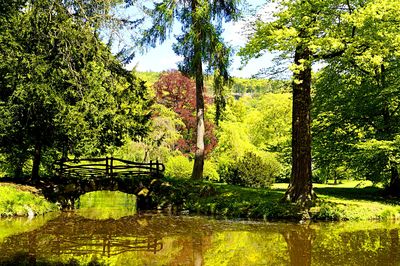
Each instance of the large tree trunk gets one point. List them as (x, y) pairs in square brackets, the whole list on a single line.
[(300, 187), (36, 162), (199, 154), (394, 186)]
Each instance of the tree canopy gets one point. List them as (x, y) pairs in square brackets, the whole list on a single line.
[(62, 91), (322, 30)]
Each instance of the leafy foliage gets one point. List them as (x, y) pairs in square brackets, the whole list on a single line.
[(15, 201), (258, 125), (252, 171), (177, 92), (62, 92), (178, 167), (259, 86), (357, 122)]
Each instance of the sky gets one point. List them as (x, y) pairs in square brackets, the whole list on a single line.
[(163, 57)]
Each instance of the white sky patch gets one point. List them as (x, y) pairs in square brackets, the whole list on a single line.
[(157, 59), (235, 34)]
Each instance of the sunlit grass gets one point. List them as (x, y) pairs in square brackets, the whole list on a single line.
[(17, 201), (330, 184), (354, 200), (350, 200)]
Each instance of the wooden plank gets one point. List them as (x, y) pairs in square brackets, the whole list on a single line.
[(103, 166), (129, 162), (131, 167), (86, 159)]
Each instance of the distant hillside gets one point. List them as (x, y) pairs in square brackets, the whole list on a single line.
[(259, 86), (239, 86)]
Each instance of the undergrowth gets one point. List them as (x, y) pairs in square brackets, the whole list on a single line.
[(15, 202)]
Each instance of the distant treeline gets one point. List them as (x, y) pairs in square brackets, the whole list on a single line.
[(238, 85)]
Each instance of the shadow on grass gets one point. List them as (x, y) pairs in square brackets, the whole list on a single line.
[(367, 193)]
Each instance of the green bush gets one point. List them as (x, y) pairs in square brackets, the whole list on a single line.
[(224, 164), (252, 170), (331, 211), (210, 171), (178, 167)]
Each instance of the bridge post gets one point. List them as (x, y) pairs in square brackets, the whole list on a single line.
[(62, 167), (157, 170), (106, 165), (151, 167), (111, 167)]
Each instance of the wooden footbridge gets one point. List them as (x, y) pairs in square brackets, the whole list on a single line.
[(108, 167), (75, 177)]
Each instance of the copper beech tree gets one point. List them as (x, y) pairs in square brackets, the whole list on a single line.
[(177, 92)]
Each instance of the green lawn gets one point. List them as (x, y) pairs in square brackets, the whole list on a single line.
[(351, 200)]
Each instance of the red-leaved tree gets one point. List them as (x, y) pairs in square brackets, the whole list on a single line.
[(178, 92)]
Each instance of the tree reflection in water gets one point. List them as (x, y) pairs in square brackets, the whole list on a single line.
[(299, 244)]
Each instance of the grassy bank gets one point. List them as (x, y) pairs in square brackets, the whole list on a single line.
[(348, 201), (19, 200)]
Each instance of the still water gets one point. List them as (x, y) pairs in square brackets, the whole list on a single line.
[(109, 237)]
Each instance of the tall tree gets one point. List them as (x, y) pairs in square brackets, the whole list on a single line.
[(312, 30), (357, 98), (298, 30), (200, 44)]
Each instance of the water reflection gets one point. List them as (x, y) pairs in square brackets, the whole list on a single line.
[(17, 225), (106, 205), (299, 244), (156, 239)]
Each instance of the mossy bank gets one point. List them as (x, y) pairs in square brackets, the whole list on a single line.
[(20, 200)]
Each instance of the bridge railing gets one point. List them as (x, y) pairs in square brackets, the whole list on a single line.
[(108, 166)]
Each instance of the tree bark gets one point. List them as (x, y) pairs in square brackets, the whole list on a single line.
[(36, 162), (197, 61), (300, 187), (394, 186)]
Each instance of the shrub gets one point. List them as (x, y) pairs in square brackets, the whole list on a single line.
[(224, 164), (253, 170), (210, 172), (178, 167)]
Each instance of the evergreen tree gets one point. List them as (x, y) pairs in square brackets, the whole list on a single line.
[(61, 90)]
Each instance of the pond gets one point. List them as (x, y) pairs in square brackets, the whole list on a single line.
[(89, 236)]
